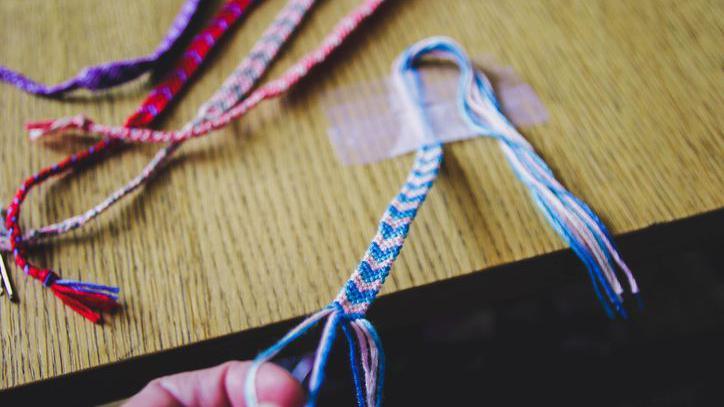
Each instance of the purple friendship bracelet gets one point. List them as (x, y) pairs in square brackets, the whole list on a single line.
[(110, 74)]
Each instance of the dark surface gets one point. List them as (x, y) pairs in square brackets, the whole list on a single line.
[(528, 332), (554, 346)]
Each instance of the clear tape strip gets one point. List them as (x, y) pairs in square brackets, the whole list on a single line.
[(368, 120)]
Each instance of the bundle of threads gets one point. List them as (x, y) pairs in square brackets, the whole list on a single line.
[(224, 104)]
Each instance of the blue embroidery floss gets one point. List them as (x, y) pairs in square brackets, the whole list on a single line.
[(574, 221)]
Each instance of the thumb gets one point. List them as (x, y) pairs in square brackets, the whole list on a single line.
[(222, 385)]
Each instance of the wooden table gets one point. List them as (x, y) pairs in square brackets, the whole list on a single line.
[(259, 223)]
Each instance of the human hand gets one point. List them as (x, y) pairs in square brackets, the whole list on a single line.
[(222, 385)]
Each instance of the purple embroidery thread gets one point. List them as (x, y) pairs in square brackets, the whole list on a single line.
[(109, 74)]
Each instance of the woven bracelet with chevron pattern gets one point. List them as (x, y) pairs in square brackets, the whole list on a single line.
[(571, 218), (347, 311)]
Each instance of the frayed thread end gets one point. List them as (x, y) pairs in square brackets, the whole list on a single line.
[(43, 128), (365, 351), (87, 299)]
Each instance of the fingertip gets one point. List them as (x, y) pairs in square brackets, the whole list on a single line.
[(152, 395), (274, 385)]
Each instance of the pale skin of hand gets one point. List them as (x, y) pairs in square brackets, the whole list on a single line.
[(221, 386)]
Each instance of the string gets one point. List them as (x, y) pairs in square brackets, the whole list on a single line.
[(278, 33), (86, 298), (241, 81), (356, 379), (273, 89), (109, 74), (235, 88), (159, 98), (576, 223)]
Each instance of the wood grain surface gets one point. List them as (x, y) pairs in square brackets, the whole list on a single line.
[(259, 223)]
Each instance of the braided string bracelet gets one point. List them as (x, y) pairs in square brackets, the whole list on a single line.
[(86, 298), (273, 89), (157, 100), (347, 311), (287, 17), (243, 79), (237, 86), (571, 218), (110, 74)]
